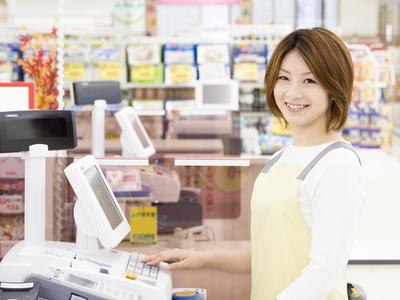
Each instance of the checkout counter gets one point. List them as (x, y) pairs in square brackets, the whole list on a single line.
[(375, 253), (167, 146)]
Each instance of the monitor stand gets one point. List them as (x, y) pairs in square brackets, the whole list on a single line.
[(85, 238), (127, 150), (35, 193), (98, 117)]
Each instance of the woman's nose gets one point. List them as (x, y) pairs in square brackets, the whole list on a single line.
[(293, 91)]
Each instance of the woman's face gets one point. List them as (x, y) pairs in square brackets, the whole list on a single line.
[(298, 95)]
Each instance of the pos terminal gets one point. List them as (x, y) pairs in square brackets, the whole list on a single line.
[(89, 269)]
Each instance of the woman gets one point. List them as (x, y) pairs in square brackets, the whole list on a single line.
[(306, 200)]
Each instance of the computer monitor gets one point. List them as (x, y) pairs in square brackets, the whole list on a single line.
[(21, 129), (97, 212), (134, 139), (86, 92), (218, 94)]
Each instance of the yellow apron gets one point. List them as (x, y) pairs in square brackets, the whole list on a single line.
[(280, 238)]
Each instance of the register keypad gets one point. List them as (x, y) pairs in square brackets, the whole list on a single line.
[(135, 265)]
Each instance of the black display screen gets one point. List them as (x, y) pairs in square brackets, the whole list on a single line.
[(21, 129), (16, 129)]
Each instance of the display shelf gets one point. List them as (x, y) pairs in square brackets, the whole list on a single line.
[(127, 86), (251, 85)]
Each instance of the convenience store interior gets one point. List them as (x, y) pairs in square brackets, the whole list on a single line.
[(192, 73)]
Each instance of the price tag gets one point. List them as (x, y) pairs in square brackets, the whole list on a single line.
[(110, 71), (74, 71)]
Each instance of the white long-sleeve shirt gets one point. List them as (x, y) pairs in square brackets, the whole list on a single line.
[(330, 199)]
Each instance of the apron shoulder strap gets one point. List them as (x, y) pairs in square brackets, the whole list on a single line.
[(331, 147), (272, 161)]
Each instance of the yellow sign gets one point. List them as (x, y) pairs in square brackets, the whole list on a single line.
[(245, 71), (74, 71), (143, 73), (110, 71), (143, 224), (180, 73)]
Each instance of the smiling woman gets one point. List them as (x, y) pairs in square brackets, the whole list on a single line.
[(322, 56), (307, 198)]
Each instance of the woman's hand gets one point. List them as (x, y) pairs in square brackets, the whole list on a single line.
[(178, 259)]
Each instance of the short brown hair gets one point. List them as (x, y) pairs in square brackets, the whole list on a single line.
[(330, 62)]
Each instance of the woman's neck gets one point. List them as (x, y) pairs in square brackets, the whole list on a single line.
[(304, 138)]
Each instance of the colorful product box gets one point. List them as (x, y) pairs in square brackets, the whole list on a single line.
[(180, 74), (11, 204), (249, 71), (147, 73), (250, 53), (144, 54), (179, 54), (212, 54)]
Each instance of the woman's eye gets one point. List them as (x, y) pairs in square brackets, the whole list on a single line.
[(309, 81), (282, 77)]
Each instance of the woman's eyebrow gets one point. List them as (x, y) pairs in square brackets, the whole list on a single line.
[(305, 73)]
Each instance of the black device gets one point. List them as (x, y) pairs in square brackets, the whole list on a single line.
[(21, 290), (21, 129), (86, 92), (185, 213)]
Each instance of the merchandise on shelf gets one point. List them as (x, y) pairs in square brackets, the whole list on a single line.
[(146, 73), (76, 61), (262, 134), (180, 63), (144, 62), (107, 58), (363, 128), (249, 62), (11, 228), (213, 62), (368, 120), (9, 68), (11, 202), (252, 100)]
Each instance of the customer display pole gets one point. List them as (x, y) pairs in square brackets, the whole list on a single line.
[(35, 193), (98, 117)]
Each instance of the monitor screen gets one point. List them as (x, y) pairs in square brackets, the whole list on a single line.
[(21, 129), (86, 92), (16, 129), (217, 94), (104, 197), (140, 134)]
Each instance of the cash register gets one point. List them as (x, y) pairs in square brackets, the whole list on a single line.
[(90, 269)]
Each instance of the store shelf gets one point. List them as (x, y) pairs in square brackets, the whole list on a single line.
[(151, 113), (127, 86), (251, 85)]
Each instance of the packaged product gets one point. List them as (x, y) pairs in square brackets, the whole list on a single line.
[(213, 54), (179, 54), (144, 54), (180, 74), (147, 73)]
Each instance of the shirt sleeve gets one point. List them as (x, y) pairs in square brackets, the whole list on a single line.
[(336, 202)]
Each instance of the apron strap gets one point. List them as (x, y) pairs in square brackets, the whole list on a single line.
[(331, 147), (272, 161)]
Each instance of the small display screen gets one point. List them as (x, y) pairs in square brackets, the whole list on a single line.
[(140, 133), (217, 94), (77, 297), (19, 128), (104, 196)]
